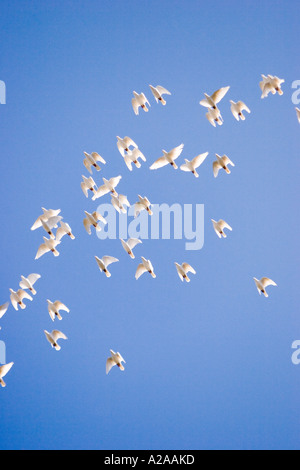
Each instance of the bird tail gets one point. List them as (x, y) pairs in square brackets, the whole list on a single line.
[(2, 383), (175, 166), (153, 275), (187, 279), (22, 305), (131, 255), (108, 274), (121, 367), (58, 316), (33, 291), (56, 253), (57, 347), (227, 171), (163, 102), (137, 164), (72, 236)]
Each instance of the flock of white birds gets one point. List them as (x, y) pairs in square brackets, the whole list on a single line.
[(51, 219)]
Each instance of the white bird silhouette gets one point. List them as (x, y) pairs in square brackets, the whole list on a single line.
[(133, 157), (214, 117), (54, 337), (158, 93), (18, 297), (115, 360), (63, 230), (47, 214), (54, 309), (222, 162), (215, 98), (125, 144), (130, 245), (120, 202), (91, 160), (141, 205), (220, 226), (138, 101), (93, 220), (4, 370), (145, 267), (263, 284), (191, 166), (271, 84), (28, 283), (168, 158), (108, 187), (298, 114), (50, 224), (47, 246), (237, 110), (3, 309), (105, 262), (183, 269), (88, 184)]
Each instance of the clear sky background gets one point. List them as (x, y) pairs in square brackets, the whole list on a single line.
[(209, 363)]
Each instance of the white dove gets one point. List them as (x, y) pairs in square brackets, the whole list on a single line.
[(183, 269), (271, 84), (263, 284), (298, 114), (145, 267), (18, 297), (119, 203), (215, 98), (54, 309), (88, 184), (130, 245), (138, 101), (222, 162), (133, 157), (168, 158), (47, 246), (115, 360), (63, 230), (54, 337), (91, 160), (125, 144), (3, 309), (4, 370), (191, 166), (105, 262), (108, 187), (220, 226), (50, 224), (28, 283), (237, 110), (158, 91), (47, 214), (93, 220), (142, 205), (214, 117)]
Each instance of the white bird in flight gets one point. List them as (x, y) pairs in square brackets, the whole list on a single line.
[(47, 214), (54, 337), (220, 226), (63, 230), (28, 283), (108, 187), (145, 267), (191, 166), (183, 269), (272, 85), (105, 262), (158, 93), (222, 162), (237, 110), (88, 184), (125, 144), (263, 284), (115, 360), (138, 101), (4, 370), (133, 157), (92, 220), (168, 158), (142, 205), (215, 98), (214, 117), (50, 225), (298, 114), (54, 309), (3, 309), (120, 202), (18, 297), (130, 245), (91, 160), (47, 246)]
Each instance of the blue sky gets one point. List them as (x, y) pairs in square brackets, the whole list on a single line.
[(209, 363)]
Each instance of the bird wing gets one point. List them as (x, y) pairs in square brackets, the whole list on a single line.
[(162, 90), (60, 306), (60, 233), (87, 226), (176, 152), (216, 167), (135, 106), (58, 335), (98, 216), (98, 158), (227, 161), (132, 242), (123, 200), (110, 363), (4, 370), (33, 278), (160, 163), (37, 224), (88, 165), (43, 249), (154, 92), (107, 260), (265, 282), (22, 294), (115, 181), (197, 161), (186, 167), (138, 207), (140, 270), (223, 224), (53, 222), (129, 142), (244, 107), (84, 189), (211, 119), (188, 268), (101, 192), (3, 309), (218, 95)]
